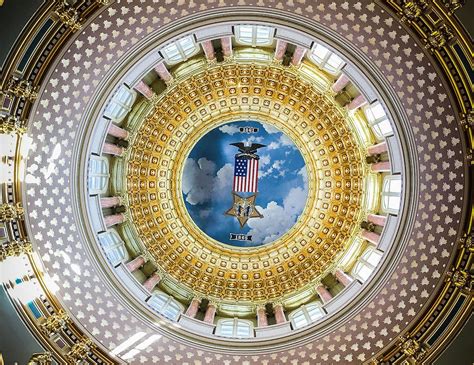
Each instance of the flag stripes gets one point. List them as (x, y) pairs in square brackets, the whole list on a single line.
[(245, 175)]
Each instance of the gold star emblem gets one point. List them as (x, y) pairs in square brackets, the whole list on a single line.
[(243, 208)]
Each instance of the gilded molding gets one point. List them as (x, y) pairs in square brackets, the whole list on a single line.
[(11, 124), (412, 9), (412, 349), (44, 358), (54, 323), (68, 15), (453, 5), (439, 38), (80, 350), (21, 89), (11, 212), (15, 248), (460, 279)]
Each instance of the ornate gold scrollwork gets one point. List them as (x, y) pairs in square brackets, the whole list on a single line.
[(439, 38), (412, 349), (80, 350), (68, 15), (44, 358), (11, 124), (10, 212), (15, 248), (21, 89), (54, 323)]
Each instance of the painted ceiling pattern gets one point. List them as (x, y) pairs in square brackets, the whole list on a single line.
[(439, 196)]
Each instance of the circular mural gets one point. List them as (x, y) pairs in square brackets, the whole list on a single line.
[(245, 183)]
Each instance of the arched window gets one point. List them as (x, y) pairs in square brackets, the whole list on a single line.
[(306, 314), (113, 246), (254, 35), (166, 305), (180, 50), (378, 120), (98, 176), (391, 191), (120, 104), (326, 59), (366, 264), (234, 327)]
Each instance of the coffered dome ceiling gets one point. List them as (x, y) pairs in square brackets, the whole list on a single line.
[(127, 236)]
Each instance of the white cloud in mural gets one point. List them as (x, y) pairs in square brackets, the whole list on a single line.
[(197, 178), (270, 129), (201, 182), (304, 175), (223, 181), (278, 219), (264, 160), (283, 141), (229, 129)]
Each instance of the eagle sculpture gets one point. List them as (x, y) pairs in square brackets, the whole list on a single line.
[(248, 151)]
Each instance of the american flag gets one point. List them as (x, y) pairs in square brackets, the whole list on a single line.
[(245, 175)]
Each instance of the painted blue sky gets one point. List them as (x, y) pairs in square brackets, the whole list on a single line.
[(208, 177)]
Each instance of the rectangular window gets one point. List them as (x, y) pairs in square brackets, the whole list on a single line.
[(254, 35), (326, 59), (180, 50), (391, 194), (378, 120)]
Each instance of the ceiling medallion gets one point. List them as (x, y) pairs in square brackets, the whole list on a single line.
[(183, 247), (245, 184)]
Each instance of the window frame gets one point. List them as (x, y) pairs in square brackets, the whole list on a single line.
[(235, 326), (254, 42), (169, 300), (323, 62), (181, 51), (363, 262), (120, 104), (384, 203), (304, 309), (99, 176), (375, 122), (118, 247)]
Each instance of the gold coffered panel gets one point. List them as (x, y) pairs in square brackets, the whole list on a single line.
[(276, 95)]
